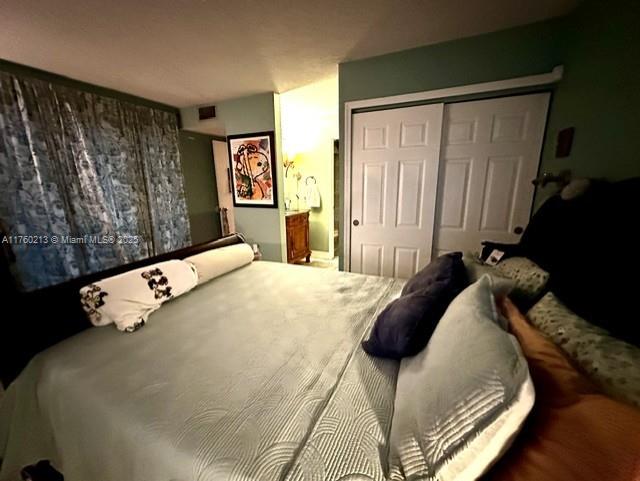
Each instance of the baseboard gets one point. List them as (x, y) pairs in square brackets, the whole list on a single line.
[(324, 255)]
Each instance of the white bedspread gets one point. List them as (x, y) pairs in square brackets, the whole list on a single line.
[(256, 375)]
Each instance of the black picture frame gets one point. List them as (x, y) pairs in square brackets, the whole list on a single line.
[(260, 146)]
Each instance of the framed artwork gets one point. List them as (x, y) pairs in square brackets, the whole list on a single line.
[(253, 169)]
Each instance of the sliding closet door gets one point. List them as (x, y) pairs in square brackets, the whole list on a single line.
[(490, 154), (395, 156)]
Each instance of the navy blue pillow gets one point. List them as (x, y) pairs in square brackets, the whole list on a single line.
[(448, 266), (405, 326)]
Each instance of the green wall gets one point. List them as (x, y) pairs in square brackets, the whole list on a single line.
[(494, 56), (599, 95), (200, 185), (263, 226)]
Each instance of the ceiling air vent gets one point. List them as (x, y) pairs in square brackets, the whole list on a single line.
[(205, 113)]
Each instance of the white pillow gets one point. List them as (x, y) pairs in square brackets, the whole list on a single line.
[(127, 299), (462, 400), (216, 262)]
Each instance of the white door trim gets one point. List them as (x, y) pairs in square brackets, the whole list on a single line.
[(485, 87)]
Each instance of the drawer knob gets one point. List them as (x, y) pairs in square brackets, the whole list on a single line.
[(356, 222)]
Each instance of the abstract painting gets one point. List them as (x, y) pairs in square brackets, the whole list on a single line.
[(253, 174)]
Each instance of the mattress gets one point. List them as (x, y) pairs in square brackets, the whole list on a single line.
[(255, 375)]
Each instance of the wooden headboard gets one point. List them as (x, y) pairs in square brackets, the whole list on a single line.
[(36, 320)]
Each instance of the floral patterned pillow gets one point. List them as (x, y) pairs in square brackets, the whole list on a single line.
[(530, 279), (611, 363)]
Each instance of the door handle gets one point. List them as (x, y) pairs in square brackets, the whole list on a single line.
[(518, 230), (356, 222)]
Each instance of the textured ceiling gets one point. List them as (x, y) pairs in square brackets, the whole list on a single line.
[(187, 52)]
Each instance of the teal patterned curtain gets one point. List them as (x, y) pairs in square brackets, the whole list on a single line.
[(87, 167)]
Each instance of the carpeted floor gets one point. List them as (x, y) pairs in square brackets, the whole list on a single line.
[(331, 264)]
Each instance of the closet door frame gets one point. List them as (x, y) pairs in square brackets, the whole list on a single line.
[(499, 88)]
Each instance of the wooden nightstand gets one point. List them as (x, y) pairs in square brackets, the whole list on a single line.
[(298, 236)]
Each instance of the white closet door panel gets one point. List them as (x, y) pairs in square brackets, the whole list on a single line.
[(490, 153), (394, 186)]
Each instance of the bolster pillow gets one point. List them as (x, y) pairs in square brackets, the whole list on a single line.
[(127, 299), (216, 262)]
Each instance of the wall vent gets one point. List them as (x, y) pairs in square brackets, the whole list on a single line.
[(205, 113)]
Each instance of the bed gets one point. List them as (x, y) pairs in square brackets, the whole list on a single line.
[(250, 376), (259, 375)]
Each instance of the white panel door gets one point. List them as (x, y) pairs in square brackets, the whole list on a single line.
[(490, 153), (395, 156), (223, 181)]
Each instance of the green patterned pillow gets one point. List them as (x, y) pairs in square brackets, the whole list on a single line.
[(611, 363), (530, 279)]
